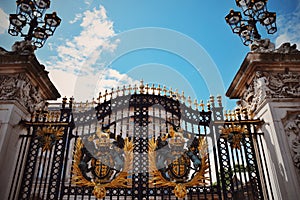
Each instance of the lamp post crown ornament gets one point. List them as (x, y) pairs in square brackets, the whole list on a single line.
[(30, 13), (244, 24)]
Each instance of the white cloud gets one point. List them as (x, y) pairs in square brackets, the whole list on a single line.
[(111, 79), (282, 38), (289, 28), (79, 54), (76, 70), (88, 2), (68, 80), (4, 21), (78, 17), (84, 88)]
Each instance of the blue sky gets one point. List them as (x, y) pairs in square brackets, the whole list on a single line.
[(181, 44)]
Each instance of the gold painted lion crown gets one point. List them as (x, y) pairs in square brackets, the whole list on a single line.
[(177, 138), (103, 138)]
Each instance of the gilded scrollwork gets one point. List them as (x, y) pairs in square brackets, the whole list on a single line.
[(186, 170), (48, 136), (98, 168), (234, 135), (18, 87)]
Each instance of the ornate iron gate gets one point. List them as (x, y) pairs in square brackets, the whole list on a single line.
[(141, 143)]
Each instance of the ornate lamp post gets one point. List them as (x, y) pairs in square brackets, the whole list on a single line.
[(254, 11), (30, 12)]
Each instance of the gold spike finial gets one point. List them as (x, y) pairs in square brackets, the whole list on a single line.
[(117, 91), (165, 90), (153, 88), (201, 105), (142, 87), (171, 92), (135, 88), (208, 105), (147, 88), (177, 94), (212, 100), (158, 89), (196, 104), (219, 100), (123, 90), (183, 97), (111, 93), (189, 100), (129, 89)]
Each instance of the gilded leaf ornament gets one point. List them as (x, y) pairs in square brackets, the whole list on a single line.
[(180, 185), (120, 180), (48, 136), (234, 134)]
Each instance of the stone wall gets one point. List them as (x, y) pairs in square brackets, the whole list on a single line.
[(24, 87), (268, 86)]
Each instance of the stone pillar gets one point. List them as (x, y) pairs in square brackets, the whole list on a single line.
[(24, 87), (268, 85)]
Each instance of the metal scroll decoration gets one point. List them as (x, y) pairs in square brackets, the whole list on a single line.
[(186, 170), (48, 136), (102, 169), (234, 134)]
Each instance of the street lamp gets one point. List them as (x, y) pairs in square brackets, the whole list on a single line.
[(254, 11), (30, 12)]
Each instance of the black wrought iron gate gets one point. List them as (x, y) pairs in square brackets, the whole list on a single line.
[(141, 143)]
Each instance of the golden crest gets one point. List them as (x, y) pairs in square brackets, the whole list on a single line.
[(102, 170), (48, 136), (120, 180), (234, 135), (180, 167), (99, 191), (180, 190), (180, 185)]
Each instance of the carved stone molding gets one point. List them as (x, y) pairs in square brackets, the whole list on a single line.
[(287, 48), (262, 45), (292, 129), (23, 47), (18, 87), (265, 46), (270, 85), (19, 48), (3, 51)]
